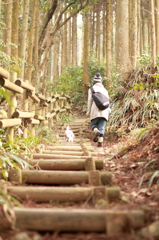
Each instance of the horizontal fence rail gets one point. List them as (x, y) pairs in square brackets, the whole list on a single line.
[(27, 108)]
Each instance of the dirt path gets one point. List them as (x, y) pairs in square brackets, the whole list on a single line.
[(127, 172)]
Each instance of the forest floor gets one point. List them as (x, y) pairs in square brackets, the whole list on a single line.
[(128, 159)]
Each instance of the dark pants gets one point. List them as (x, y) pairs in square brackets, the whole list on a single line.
[(99, 123)]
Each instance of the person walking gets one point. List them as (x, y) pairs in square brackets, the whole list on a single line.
[(98, 117)]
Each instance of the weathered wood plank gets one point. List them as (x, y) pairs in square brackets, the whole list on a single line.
[(10, 122), (61, 194), (67, 164), (58, 177), (74, 220), (57, 156), (10, 86)]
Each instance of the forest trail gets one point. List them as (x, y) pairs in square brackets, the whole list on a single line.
[(79, 191)]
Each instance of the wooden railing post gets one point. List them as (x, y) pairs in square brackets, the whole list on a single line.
[(11, 108), (58, 106), (26, 105)]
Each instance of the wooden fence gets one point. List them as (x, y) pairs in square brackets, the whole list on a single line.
[(27, 108)]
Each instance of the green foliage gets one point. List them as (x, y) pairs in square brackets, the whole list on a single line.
[(94, 66), (143, 133), (22, 144), (10, 161), (135, 102), (11, 154), (157, 60), (4, 94), (66, 119), (47, 134), (144, 61), (155, 175), (4, 58), (136, 107), (8, 202), (116, 79), (71, 83)]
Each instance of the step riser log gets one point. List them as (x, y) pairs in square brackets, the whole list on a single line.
[(66, 152), (54, 156), (60, 194), (59, 177), (74, 220), (64, 164)]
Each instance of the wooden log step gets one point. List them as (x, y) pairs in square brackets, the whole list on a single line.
[(56, 156), (79, 153), (73, 164), (67, 152), (68, 148), (64, 148), (62, 194), (75, 220), (94, 178)]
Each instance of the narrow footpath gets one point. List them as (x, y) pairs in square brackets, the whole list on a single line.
[(69, 194)]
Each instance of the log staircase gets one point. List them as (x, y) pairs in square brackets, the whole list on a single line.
[(71, 174)]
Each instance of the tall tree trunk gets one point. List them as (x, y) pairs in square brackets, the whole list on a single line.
[(85, 51), (23, 37), (31, 42), (104, 31), (8, 26), (92, 28), (108, 39), (56, 58), (153, 38), (122, 38), (157, 25), (139, 37), (69, 43), (133, 32), (114, 11), (64, 46), (98, 49), (35, 73), (74, 40), (15, 25)]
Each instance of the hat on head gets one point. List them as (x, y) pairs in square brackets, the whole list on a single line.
[(97, 78)]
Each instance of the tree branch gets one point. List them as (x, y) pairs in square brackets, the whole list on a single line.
[(48, 17), (57, 24)]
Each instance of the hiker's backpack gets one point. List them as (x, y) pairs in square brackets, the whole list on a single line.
[(101, 101)]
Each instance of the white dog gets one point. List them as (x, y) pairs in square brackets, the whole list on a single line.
[(69, 135)]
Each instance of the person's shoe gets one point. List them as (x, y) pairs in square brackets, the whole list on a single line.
[(100, 142), (97, 134)]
